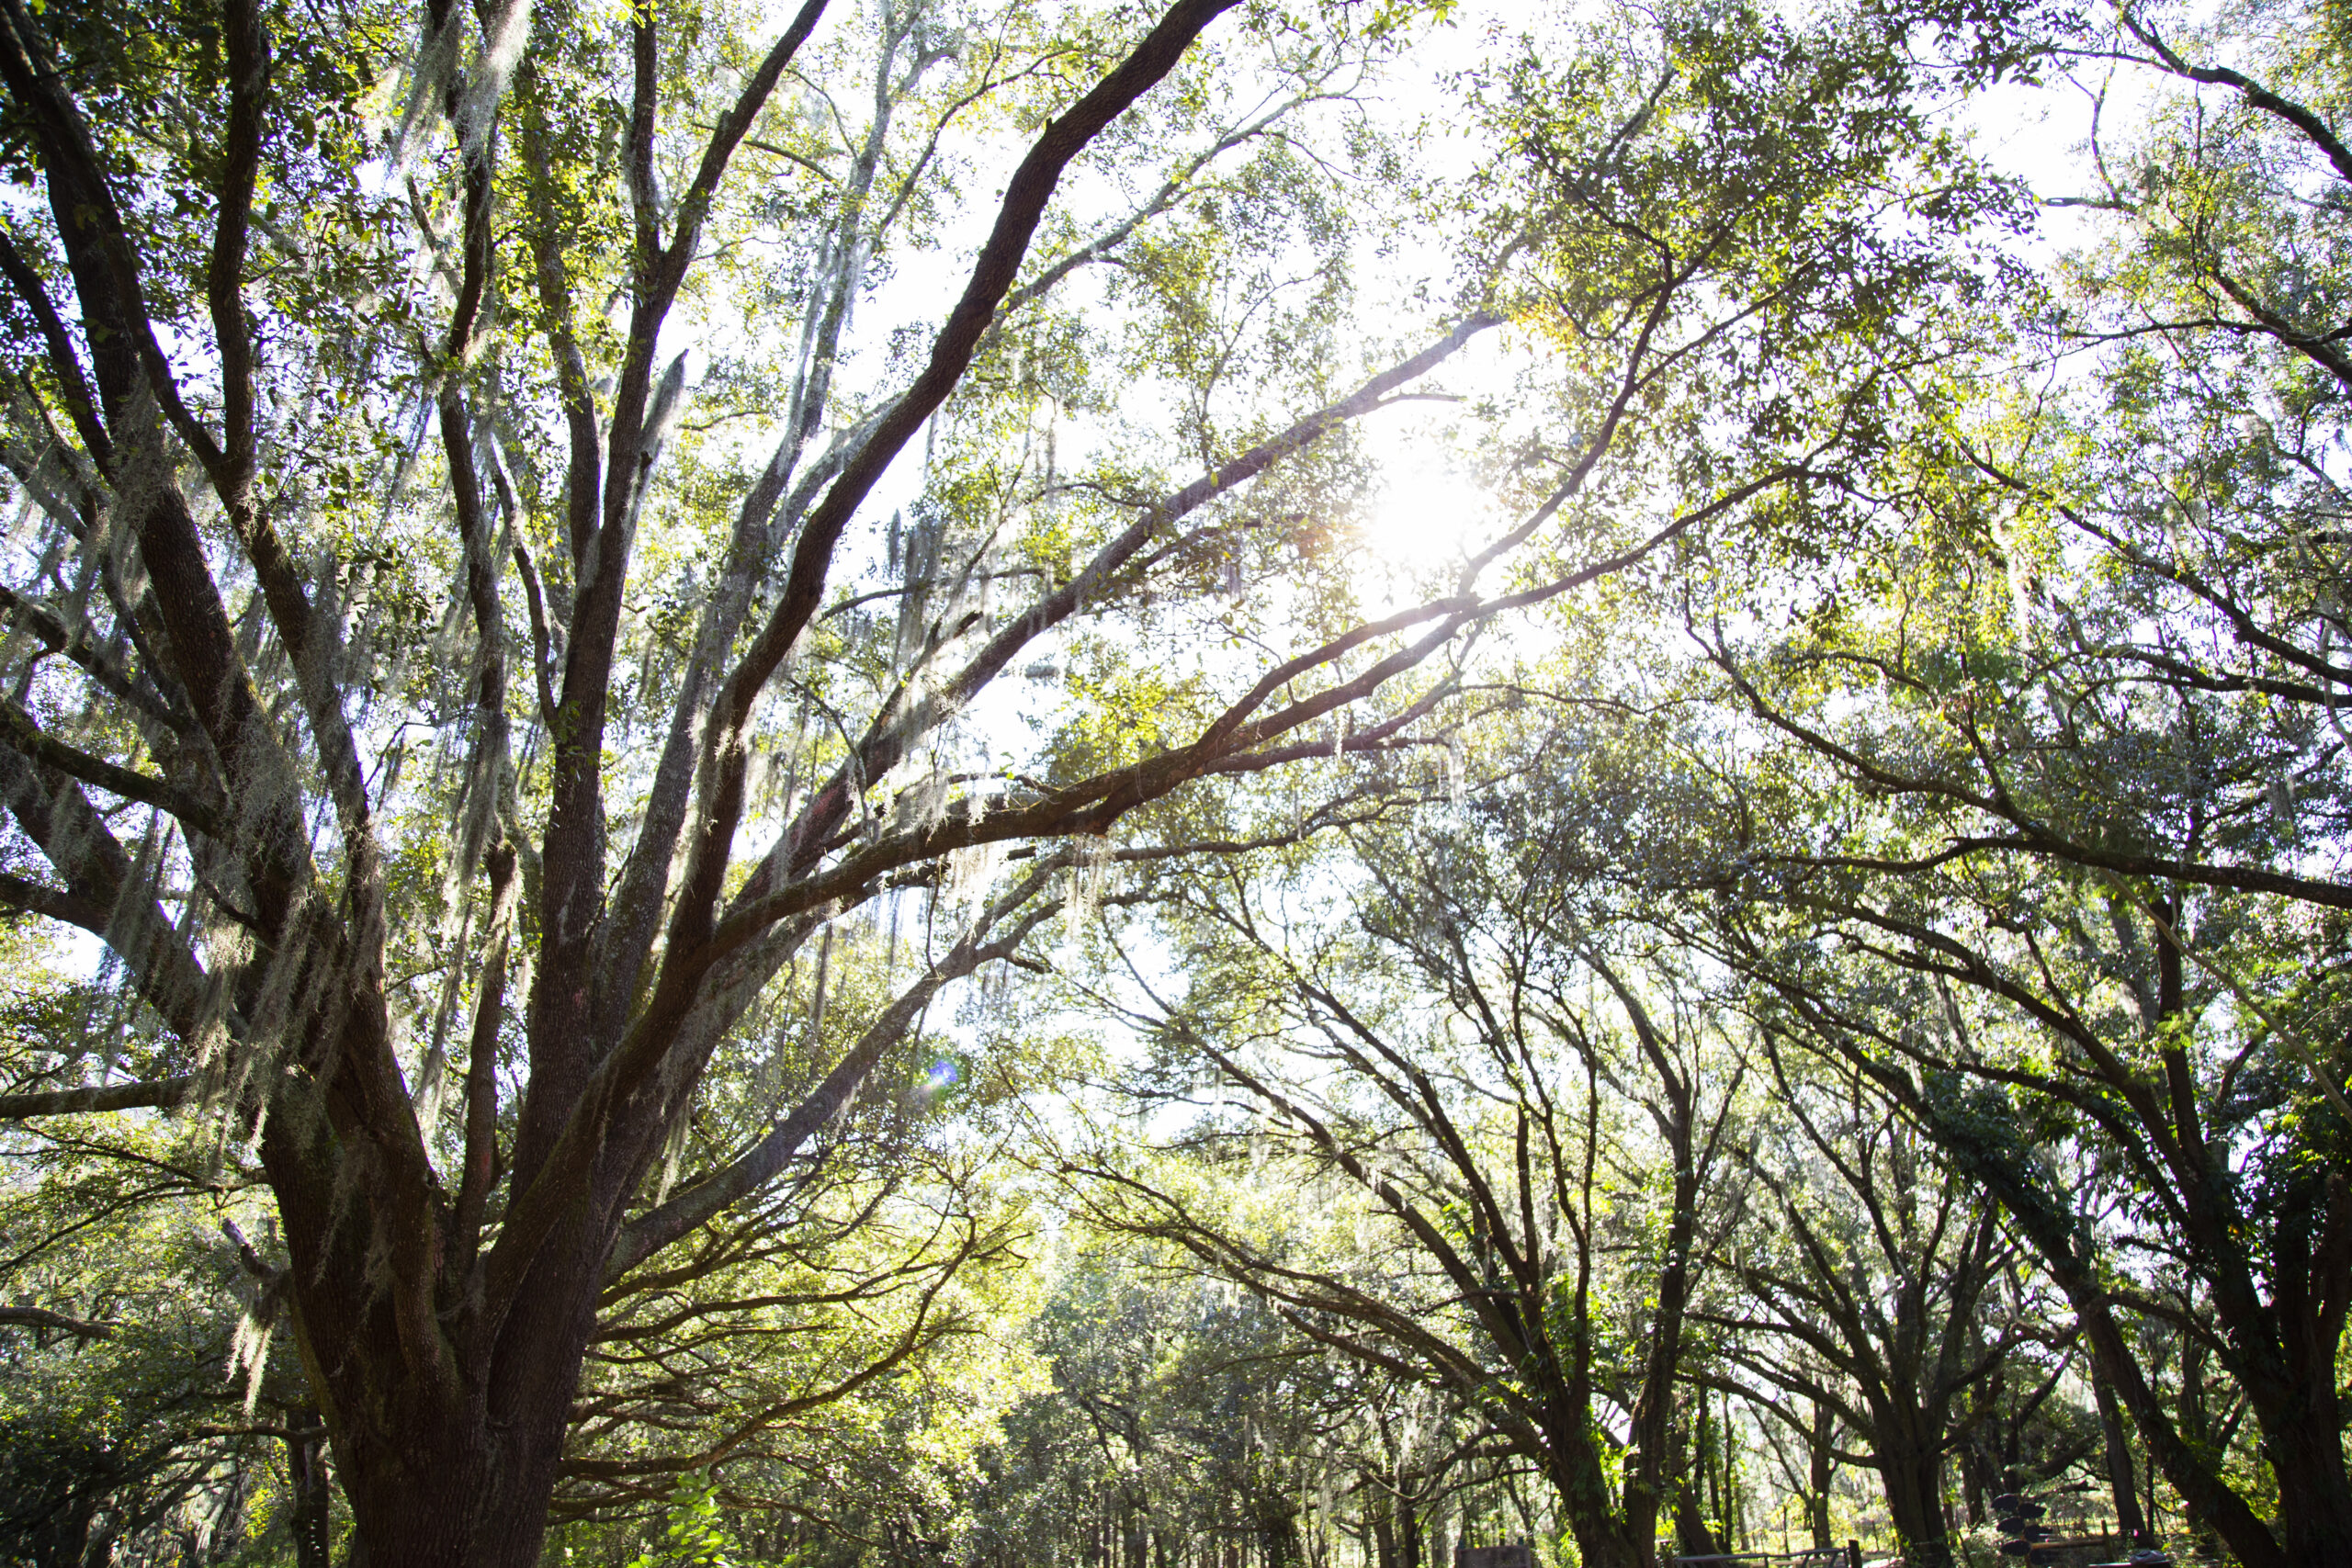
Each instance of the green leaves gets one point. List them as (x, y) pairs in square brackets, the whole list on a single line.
[(695, 1534)]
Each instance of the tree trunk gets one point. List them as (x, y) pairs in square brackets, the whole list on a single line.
[(2308, 1460), (1822, 1476), (451, 1472), (2119, 1480), (1728, 1512), (1915, 1501), (306, 1474), (1692, 1536), (1602, 1539)]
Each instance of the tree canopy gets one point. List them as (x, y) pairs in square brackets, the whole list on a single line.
[(1233, 784)]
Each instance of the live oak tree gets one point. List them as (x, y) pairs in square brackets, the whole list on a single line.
[(2042, 1099), (1874, 1296), (2028, 799), (1489, 1083), (2018, 1013), (2081, 1044), (2065, 1148), (348, 410)]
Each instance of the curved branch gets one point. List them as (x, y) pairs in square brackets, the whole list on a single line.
[(2315, 129)]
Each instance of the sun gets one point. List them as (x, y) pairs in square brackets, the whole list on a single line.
[(1424, 514)]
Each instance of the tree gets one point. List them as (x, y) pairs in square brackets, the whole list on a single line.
[(1185, 1425), (2042, 1022), (164, 1415), (1539, 1157), (232, 304), (1884, 1280)]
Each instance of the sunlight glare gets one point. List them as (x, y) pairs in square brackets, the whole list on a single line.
[(1425, 516)]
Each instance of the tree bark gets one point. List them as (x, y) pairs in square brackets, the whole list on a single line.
[(313, 1491), (2122, 1485), (1692, 1536), (1914, 1502), (1823, 1474), (2308, 1458)]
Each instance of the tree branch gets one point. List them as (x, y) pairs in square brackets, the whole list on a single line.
[(35, 1317), (163, 1094)]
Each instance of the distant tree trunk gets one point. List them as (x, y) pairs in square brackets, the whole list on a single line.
[(1692, 1538), (1384, 1535), (306, 1474), (1727, 1496), (1823, 1475), (2119, 1480)]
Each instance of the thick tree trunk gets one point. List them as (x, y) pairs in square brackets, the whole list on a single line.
[(1692, 1538), (1601, 1537), (2315, 1502), (2308, 1460), (453, 1470), (1915, 1501)]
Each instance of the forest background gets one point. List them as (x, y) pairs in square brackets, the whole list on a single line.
[(1249, 786)]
